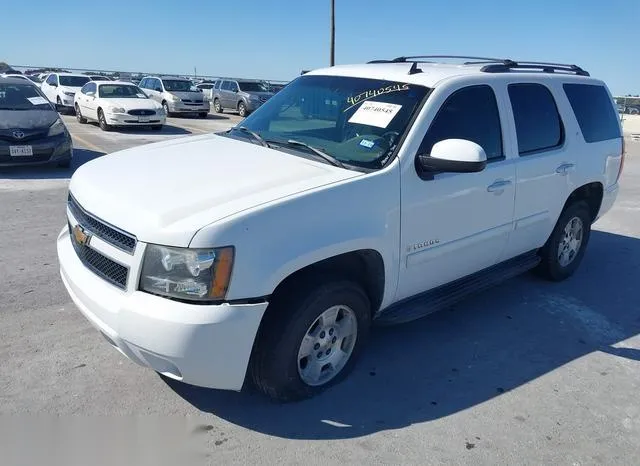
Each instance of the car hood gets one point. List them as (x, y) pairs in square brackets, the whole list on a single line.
[(70, 89), (190, 95), (165, 192), (146, 104), (27, 119), (258, 94)]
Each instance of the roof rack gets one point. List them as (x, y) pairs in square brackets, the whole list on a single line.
[(492, 65)]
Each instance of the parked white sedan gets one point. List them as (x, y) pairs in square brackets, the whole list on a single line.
[(117, 104)]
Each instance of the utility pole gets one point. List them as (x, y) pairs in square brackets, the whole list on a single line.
[(332, 56)]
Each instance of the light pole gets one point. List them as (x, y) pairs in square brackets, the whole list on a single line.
[(332, 53)]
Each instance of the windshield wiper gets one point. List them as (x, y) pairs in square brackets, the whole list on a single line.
[(322, 154), (255, 135)]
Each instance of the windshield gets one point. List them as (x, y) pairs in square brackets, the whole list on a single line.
[(35, 79), (120, 91), (73, 81), (177, 85), (22, 97), (99, 78), (253, 87), (357, 121)]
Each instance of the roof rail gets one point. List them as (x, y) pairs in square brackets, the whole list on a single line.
[(530, 65)]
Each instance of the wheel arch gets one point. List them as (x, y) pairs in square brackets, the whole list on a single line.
[(592, 193)]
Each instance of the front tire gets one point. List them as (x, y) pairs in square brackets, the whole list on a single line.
[(165, 106), (565, 248), (79, 117), (216, 106), (242, 109), (310, 339), (102, 121)]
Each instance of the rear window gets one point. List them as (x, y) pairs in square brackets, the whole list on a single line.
[(594, 111), (538, 124)]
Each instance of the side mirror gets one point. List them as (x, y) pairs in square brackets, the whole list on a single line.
[(53, 84), (235, 90), (158, 89), (453, 156), (91, 94)]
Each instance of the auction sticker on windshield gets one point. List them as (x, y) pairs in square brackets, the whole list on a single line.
[(374, 113), (37, 100)]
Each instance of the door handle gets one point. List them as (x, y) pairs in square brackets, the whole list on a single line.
[(498, 186), (565, 168)]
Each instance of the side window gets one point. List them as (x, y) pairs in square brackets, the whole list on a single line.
[(217, 85), (233, 86), (93, 87), (538, 123), (594, 111), (226, 85), (51, 79), (84, 89), (143, 83), (470, 113)]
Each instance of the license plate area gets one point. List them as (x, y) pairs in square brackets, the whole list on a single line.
[(143, 119), (20, 151)]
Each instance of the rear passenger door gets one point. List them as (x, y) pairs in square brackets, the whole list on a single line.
[(544, 163)]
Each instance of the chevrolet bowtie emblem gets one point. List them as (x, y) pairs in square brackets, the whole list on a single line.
[(81, 236)]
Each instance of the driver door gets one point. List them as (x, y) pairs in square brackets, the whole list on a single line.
[(455, 224)]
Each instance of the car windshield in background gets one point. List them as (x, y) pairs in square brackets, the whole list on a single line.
[(35, 79), (357, 121), (120, 91), (99, 78), (253, 87), (74, 81), (22, 97), (177, 85)]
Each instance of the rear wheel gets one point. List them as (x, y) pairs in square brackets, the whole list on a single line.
[(79, 116), (565, 248), (216, 106), (310, 339), (102, 121), (242, 109)]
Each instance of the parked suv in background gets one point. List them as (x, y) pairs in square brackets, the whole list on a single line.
[(358, 193), (60, 88), (176, 95), (244, 96)]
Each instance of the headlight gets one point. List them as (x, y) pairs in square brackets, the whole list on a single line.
[(189, 274), (70, 94), (254, 97), (117, 110), (174, 98), (56, 128)]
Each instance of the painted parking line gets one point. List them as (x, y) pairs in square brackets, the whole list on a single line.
[(87, 144)]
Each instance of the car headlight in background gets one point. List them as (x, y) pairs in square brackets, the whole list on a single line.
[(70, 94), (56, 128), (188, 274), (117, 110), (174, 98)]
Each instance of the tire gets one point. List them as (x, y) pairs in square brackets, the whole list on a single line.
[(166, 109), (242, 109), (79, 117), (276, 366), (156, 127), (573, 226), (216, 106), (102, 121), (59, 102), (203, 114)]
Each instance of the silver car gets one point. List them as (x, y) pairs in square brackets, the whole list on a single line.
[(243, 96), (176, 95)]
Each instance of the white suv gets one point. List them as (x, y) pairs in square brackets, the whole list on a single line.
[(375, 192), (61, 88)]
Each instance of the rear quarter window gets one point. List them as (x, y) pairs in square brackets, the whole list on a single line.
[(594, 111)]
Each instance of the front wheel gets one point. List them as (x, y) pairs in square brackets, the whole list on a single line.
[(165, 106), (310, 339), (102, 121), (79, 116), (242, 109), (565, 248), (216, 106)]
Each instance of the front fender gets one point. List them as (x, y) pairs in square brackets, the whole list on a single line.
[(274, 240)]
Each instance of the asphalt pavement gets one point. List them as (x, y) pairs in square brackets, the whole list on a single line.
[(529, 372)]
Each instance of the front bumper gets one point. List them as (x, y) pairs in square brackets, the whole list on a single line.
[(67, 100), (208, 346), (45, 150), (182, 107), (124, 119)]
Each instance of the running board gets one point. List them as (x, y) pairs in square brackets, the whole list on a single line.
[(446, 295)]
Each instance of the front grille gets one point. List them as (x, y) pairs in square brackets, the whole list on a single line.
[(105, 268), (186, 100), (27, 135), (141, 112), (118, 238), (145, 123)]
